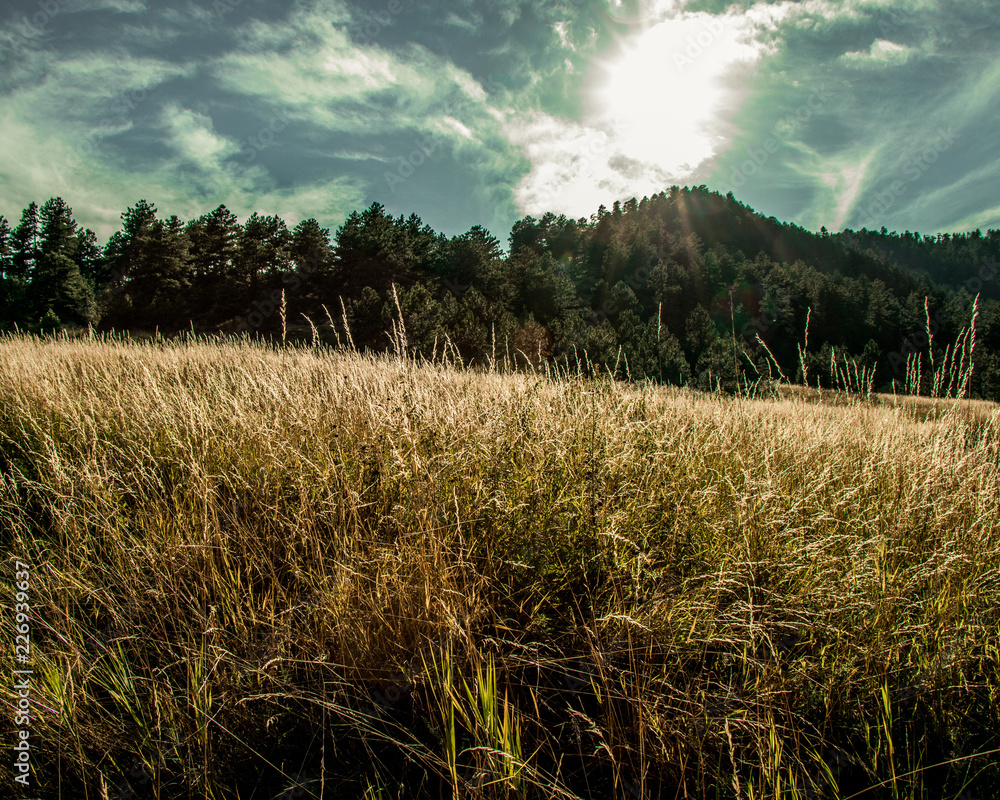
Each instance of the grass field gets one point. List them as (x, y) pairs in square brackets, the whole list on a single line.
[(259, 572)]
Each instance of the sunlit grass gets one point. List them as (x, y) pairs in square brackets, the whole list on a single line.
[(259, 571)]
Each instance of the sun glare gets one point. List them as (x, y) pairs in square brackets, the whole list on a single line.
[(660, 103), (665, 92)]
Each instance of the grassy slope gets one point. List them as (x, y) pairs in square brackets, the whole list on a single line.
[(253, 567)]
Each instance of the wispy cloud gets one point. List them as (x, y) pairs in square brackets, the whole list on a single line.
[(658, 106), (472, 112), (881, 54), (896, 77)]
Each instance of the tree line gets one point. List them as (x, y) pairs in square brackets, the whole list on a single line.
[(685, 287)]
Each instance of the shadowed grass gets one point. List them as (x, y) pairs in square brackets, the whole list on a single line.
[(266, 572)]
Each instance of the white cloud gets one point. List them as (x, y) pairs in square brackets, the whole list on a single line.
[(455, 21), (121, 6), (844, 181), (458, 127), (306, 68), (319, 80), (981, 220), (374, 73), (464, 81), (560, 29), (56, 128), (655, 111), (882, 53), (194, 138), (575, 168)]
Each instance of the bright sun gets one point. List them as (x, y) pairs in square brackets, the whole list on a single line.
[(655, 109), (665, 92)]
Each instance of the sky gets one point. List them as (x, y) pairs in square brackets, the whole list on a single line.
[(835, 113)]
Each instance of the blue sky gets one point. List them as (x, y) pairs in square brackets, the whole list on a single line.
[(843, 113)]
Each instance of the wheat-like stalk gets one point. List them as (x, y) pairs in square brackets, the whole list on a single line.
[(504, 584)]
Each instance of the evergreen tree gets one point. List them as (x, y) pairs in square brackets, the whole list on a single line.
[(423, 318), (365, 251), (666, 259), (6, 250), (701, 336), (213, 240), (160, 276), (473, 258), (25, 244), (9, 287), (90, 259), (150, 271), (671, 366), (373, 249), (262, 252), (58, 229), (62, 293), (537, 286), (58, 290), (126, 247), (311, 257)]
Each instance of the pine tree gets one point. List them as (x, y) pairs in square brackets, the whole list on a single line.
[(25, 245), (213, 240), (701, 335), (58, 229), (373, 249), (312, 260), (161, 280), (473, 259), (9, 287), (60, 293), (6, 250), (125, 247), (90, 259), (262, 251), (57, 289)]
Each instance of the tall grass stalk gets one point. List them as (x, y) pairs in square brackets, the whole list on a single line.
[(254, 563)]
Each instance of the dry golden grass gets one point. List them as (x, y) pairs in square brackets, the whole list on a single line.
[(920, 408), (261, 572)]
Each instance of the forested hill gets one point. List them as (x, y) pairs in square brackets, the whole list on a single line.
[(687, 286)]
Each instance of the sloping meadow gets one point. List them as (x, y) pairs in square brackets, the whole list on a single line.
[(293, 572)]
